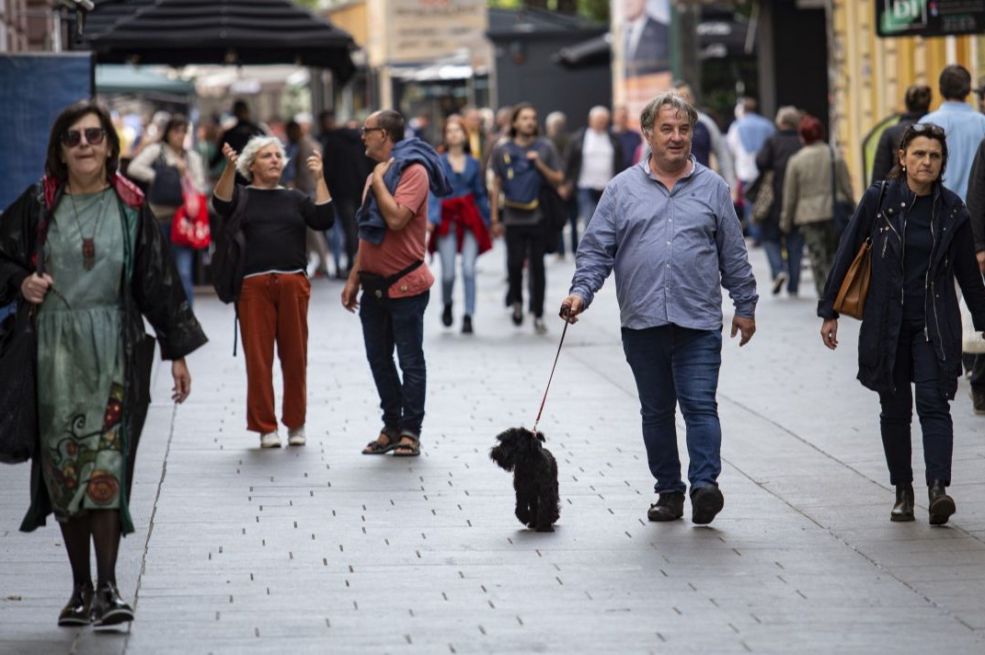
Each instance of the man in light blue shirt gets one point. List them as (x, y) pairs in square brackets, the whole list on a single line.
[(963, 126), (668, 229)]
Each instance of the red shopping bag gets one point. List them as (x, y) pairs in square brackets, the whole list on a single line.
[(190, 225)]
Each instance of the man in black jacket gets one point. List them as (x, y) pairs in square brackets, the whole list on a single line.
[(917, 101), (594, 157), (976, 207), (237, 136), (346, 170)]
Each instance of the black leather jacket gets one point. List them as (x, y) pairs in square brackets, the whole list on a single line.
[(952, 257), (154, 291)]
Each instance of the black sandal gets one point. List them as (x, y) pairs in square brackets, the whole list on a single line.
[(412, 449), (376, 447)]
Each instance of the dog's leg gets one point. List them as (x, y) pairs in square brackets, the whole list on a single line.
[(522, 508)]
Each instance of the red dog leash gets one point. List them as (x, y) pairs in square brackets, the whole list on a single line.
[(544, 399)]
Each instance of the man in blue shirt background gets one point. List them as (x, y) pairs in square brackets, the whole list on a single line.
[(668, 229), (964, 128)]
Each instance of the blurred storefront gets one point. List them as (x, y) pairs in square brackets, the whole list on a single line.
[(423, 58), (846, 61), (869, 73)]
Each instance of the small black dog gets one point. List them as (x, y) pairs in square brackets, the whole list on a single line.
[(534, 477)]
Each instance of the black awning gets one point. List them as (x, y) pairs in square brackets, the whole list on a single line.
[(180, 32), (593, 52)]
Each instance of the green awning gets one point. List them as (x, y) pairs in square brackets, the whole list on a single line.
[(123, 78)]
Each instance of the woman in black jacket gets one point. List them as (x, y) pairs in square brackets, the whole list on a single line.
[(83, 253), (911, 329)]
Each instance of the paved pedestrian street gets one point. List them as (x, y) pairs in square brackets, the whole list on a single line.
[(322, 550)]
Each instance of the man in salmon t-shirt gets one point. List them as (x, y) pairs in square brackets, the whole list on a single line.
[(396, 283)]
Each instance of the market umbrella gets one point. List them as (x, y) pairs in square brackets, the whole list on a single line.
[(180, 32)]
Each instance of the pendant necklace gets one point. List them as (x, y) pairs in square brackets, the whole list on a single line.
[(88, 243)]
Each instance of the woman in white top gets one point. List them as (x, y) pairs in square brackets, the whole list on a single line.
[(170, 151)]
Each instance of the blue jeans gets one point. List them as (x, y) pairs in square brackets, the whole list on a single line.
[(774, 247), (675, 365), (184, 261), (389, 324), (447, 247)]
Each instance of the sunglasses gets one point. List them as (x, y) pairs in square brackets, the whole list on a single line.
[(366, 130), (926, 128), (94, 136)]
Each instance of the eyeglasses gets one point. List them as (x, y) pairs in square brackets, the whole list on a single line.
[(94, 136), (926, 128), (366, 130)]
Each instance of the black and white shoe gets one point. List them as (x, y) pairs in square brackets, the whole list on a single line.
[(78, 610), (108, 609)]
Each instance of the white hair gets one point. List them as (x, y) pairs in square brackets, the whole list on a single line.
[(598, 110), (555, 117), (253, 147)]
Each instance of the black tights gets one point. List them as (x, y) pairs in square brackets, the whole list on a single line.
[(103, 528)]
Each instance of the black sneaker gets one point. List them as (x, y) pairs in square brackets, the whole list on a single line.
[(669, 507), (466, 324), (706, 502), (446, 318), (517, 313), (108, 609)]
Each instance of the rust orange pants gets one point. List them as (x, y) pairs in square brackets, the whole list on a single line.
[(273, 308)]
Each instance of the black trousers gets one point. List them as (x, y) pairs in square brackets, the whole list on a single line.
[(526, 243), (978, 373), (346, 211), (916, 364)]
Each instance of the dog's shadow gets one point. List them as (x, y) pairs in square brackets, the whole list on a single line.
[(534, 471)]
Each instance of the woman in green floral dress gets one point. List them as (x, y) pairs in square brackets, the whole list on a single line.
[(84, 250)]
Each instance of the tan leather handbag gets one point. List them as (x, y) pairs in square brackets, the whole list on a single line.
[(850, 300), (854, 289)]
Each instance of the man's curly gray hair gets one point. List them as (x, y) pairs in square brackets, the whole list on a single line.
[(669, 99), (253, 147)]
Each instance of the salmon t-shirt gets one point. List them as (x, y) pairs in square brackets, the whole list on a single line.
[(401, 248)]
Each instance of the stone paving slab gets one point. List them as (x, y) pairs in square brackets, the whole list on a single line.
[(320, 549)]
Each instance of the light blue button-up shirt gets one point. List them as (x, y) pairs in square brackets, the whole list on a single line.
[(672, 251), (964, 129)]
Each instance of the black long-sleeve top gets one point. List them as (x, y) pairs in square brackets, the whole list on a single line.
[(275, 223)]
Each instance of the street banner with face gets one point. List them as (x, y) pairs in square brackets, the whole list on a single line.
[(641, 48)]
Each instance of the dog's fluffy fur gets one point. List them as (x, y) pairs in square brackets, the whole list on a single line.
[(534, 477)]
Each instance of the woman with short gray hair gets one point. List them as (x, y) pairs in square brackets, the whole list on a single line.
[(273, 301), (773, 156)]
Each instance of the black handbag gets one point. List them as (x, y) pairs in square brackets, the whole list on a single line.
[(165, 190), (18, 385)]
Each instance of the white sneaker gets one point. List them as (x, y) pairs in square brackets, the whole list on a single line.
[(270, 440), (295, 436), (539, 326)]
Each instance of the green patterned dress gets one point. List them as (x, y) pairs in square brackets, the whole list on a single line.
[(80, 357)]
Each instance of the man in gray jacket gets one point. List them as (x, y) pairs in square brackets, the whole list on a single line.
[(668, 229)]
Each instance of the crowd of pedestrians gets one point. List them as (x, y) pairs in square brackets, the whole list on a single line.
[(667, 208)]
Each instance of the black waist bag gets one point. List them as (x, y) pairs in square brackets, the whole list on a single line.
[(378, 285)]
